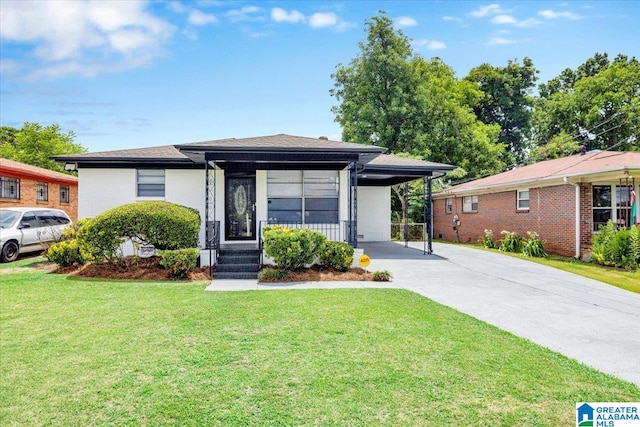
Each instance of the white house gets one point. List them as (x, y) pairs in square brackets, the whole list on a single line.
[(240, 185)]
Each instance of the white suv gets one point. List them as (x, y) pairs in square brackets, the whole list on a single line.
[(29, 229)]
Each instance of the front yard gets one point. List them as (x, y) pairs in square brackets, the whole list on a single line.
[(93, 352)]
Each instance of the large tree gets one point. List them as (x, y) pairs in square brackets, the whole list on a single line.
[(34, 144), (597, 105), (507, 101), (390, 97)]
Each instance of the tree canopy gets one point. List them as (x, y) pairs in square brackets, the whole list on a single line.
[(393, 98), (597, 105), (34, 144)]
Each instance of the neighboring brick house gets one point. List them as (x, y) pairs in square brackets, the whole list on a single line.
[(564, 200), (27, 185)]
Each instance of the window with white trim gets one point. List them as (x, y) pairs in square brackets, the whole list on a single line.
[(303, 197), (64, 194), (470, 204), (448, 205), (42, 192), (151, 182), (9, 188), (523, 200), (602, 203)]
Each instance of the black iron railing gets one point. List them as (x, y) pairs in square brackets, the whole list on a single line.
[(212, 240)]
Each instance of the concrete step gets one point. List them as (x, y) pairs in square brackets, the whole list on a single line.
[(237, 275), (240, 267)]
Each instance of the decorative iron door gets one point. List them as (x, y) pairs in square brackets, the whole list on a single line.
[(240, 207)]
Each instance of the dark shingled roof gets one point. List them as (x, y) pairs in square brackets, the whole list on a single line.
[(271, 148), (281, 142)]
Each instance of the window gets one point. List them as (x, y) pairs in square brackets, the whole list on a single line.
[(470, 204), (150, 182), (523, 200), (601, 199), (308, 197), (9, 188), (448, 205), (64, 194), (42, 192)]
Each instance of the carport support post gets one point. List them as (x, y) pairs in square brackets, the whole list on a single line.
[(406, 214), (429, 206)]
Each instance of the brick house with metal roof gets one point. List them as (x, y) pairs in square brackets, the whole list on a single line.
[(564, 200), (241, 185), (26, 185)]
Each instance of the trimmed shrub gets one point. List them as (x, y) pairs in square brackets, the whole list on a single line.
[(533, 247), (163, 225), (65, 253), (179, 262), (273, 275), (71, 231), (292, 248), (382, 276), (338, 255)]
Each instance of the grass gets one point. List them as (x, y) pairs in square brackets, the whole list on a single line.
[(77, 352)]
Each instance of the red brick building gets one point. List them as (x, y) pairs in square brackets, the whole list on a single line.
[(26, 185), (563, 200)]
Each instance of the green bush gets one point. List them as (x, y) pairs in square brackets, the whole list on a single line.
[(163, 225), (65, 253), (338, 255), (616, 247), (179, 262), (272, 275), (71, 231), (533, 247), (292, 248), (382, 276), (511, 242)]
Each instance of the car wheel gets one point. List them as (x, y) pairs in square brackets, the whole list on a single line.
[(9, 252)]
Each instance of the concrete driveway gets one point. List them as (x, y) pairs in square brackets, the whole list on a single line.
[(587, 320), (594, 323)]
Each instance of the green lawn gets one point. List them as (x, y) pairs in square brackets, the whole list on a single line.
[(76, 352)]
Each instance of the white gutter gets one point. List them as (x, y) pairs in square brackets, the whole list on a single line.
[(577, 187)]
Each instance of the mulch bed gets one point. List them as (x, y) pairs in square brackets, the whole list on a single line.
[(319, 274), (131, 269)]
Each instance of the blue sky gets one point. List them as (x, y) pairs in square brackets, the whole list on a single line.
[(127, 74)]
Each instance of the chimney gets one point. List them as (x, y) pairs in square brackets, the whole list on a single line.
[(324, 138)]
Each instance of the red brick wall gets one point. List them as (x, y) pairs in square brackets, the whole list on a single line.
[(28, 197), (551, 214)]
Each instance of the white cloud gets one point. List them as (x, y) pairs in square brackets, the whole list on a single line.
[(323, 20), (551, 14), (281, 15), (405, 21), (430, 44), (503, 19), (176, 7), (484, 11), (453, 19), (527, 23), (84, 37), (500, 41), (316, 20), (199, 18), (246, 13)]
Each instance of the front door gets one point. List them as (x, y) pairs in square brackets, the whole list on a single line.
[(240, 207)]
